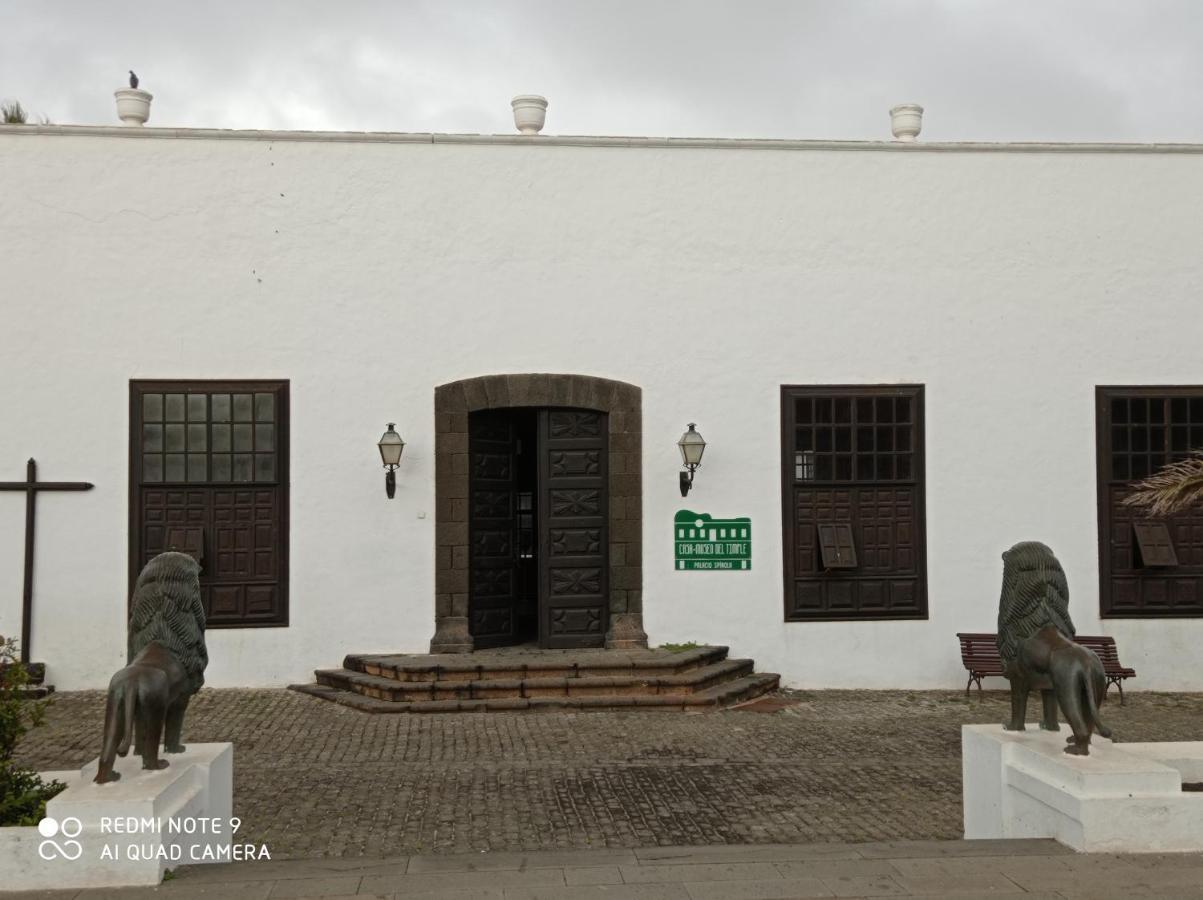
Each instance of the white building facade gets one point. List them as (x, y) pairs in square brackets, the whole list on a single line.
[(913, 354)]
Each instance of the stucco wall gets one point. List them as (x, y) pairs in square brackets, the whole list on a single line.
[(1008, 283)]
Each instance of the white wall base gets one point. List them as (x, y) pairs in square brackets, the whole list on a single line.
[(126, 834), (1123, 798)]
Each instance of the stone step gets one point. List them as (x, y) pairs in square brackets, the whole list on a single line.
[(688, 682), (523, 664), (723, 694)]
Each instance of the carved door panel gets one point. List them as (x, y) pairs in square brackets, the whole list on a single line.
[(492, 528), (208, 477), (573, 542)]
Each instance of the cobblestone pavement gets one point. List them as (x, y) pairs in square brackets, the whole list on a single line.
[(316, 779)]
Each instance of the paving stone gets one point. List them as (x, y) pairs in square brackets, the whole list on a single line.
[(1161, 860), (1134, 879), (1097, 893), (251, 890), (407, 884), (699, 872), (547, 859), (863, 886), (836, 868), (593, 875), (1009, 847), (602, 892), (953, 866), (778, 889), (316, 887), (878, 768), (345, 897), (959, 895), (477, 893), (272, 869), (979, 883), (745, 853)]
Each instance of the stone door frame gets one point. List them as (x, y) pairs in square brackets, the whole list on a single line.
[(623, 405)]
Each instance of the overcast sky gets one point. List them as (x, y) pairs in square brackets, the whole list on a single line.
[(1088, 70)]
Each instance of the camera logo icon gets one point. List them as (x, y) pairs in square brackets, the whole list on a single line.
[(69, 828)]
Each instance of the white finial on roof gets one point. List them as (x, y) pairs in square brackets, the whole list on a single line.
[(906, 121), (133, 105), (530, 111)]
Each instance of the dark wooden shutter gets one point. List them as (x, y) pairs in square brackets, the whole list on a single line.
[(572, 523), (1154, 544), (837, 547)]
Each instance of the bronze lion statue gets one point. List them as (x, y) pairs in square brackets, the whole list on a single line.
[(1035, 641), (167, 659)]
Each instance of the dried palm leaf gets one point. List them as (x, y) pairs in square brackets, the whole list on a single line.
[(1171, 489)]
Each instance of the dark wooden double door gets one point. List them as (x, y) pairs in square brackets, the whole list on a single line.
[(537, 537)]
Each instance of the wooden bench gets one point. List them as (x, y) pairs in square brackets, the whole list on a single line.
[(979, 654), (1104, 646)]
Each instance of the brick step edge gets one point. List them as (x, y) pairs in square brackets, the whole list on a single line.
[(717, 697), (692, 681), (454, 670), (35, 692)]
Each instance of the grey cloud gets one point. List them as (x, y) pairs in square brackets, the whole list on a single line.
[(984, 69)]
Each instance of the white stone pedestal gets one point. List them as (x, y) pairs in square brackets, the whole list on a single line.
[(127, 832), (1123, 798)]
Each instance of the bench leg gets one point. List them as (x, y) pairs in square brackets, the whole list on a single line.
[(1119, 683), (968, 685)]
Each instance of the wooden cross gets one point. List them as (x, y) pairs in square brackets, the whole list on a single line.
[(31, 486)]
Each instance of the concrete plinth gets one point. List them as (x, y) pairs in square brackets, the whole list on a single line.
[(1122, 798), (130, 831)]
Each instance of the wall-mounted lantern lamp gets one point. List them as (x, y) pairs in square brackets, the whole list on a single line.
[(692, 445), (390, 446)]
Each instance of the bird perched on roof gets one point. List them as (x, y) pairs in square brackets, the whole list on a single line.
[(133, 79)]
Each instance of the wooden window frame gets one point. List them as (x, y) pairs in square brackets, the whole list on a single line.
[(140, 386), (1104, 395), (918, 451)]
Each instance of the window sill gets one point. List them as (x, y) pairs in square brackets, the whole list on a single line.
[(914, 617), (226, 626)]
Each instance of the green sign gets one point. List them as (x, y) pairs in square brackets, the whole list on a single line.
[(704, 542)]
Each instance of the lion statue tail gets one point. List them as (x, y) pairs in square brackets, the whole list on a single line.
[(118, 729), (128, 696), (1089, 683)]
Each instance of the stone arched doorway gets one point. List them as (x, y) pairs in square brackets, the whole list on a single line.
[(621, 403)]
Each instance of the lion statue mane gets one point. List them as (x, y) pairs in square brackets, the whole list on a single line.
[(167, 608), (1034, 594)]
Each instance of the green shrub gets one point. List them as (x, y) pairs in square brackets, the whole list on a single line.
[(23, 794), (680, 648), (13, 113)]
